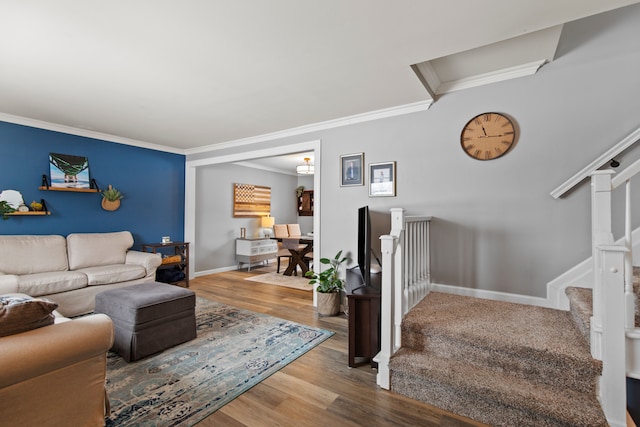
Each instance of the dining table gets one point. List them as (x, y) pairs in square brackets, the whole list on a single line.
[(298, 252)]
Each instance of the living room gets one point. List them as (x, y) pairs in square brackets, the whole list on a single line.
[(495, 229)]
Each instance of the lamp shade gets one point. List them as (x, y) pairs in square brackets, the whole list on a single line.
[(268, 221), (306, 169)]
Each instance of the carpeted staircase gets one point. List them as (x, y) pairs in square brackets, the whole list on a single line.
[(499, 363), (581, 305)]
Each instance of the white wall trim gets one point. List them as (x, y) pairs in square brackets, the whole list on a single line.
[(266, 168), (491, 77), (581, 276), (316, 127), (40, 124), (435, 85), (215, 270), (190, 190), (491, 295)]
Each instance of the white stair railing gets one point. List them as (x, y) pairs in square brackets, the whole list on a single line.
[(614, 338), (406, 276)]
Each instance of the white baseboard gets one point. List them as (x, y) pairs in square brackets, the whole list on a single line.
[(215, 270), (581, 276), (492, 295), (223, 269)]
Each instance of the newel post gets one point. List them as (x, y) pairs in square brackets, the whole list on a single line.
[(388, 245), (613, 381), (600, 235)]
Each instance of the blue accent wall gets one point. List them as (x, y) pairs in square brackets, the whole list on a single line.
[(151, 181)]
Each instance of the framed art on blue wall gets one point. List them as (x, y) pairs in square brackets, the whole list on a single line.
[(68, 171), (382, 179), (351, 169)]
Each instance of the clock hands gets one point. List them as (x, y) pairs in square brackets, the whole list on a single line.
[(485, 132)]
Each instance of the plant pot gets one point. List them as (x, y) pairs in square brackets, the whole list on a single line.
[(328, 303), (110, 205)]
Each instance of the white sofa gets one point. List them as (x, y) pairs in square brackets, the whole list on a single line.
[(71, 271)]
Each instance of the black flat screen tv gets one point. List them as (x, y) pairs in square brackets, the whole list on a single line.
[(364, 244)]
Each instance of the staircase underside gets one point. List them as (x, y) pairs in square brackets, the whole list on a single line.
[(498, 363)]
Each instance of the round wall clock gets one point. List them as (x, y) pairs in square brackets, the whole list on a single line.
[(488, 136)]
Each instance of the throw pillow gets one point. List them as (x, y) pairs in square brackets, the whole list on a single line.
[(21, 314)]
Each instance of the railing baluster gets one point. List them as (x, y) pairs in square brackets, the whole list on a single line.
[(405, 281), (629, 296)]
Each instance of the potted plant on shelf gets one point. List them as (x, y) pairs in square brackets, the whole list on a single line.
[(5, 209), (329, 285), (111, 199)]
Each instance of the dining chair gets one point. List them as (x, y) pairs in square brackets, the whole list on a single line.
[(294, 230)]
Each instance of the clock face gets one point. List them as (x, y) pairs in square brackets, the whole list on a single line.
[(488, 136)]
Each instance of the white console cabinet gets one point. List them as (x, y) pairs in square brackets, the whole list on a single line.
[(249, 251)]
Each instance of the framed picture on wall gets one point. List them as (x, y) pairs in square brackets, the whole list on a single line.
[(351, 169), (68, 171), (382, 179)]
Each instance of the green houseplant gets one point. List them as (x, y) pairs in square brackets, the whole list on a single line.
[(329, 285), (111, 199), (5, 208)]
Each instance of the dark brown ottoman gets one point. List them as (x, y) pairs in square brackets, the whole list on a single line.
[(148, 317)]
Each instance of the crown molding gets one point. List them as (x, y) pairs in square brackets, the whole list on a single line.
[(315, 127), (491, 77), (431, 81), (249, 164), (41, 124)]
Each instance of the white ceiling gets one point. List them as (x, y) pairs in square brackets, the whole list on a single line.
[(183, 76)]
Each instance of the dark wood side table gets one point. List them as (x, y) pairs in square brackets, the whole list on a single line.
[(364, 324), (179, 249)]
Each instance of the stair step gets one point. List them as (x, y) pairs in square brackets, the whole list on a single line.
[(488, 396), (581, 309), (533, 343)]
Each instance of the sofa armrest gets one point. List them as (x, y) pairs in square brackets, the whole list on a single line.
[(34, 353), (146, 259), (8, 284)]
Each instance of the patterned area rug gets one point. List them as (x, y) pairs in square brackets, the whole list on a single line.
[(235, 349), (279, 279)]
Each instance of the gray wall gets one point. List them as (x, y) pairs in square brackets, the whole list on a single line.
[(216, 228), (496, 227)]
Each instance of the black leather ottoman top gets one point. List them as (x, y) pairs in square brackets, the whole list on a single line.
[(138, 304)]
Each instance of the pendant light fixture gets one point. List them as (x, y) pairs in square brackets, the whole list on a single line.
[(306, 169)]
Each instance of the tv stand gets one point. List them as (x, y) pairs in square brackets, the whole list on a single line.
[(364, 324)]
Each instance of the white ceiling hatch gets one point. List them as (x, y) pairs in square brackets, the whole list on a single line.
[(515, 57)]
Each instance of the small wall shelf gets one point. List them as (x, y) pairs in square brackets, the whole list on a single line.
[(43, 212), (77, 190), (30, 213), (46, 187)]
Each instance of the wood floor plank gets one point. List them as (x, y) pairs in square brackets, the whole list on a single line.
[(318, 388)]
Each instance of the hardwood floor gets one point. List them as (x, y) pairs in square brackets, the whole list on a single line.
[(317, 389)]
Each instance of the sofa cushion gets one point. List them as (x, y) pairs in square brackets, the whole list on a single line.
[(51, 283), (106, 274), (22, 313), (32, 254), (96, 249)]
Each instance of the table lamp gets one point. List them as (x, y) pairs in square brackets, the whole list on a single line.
[(267, 223)]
